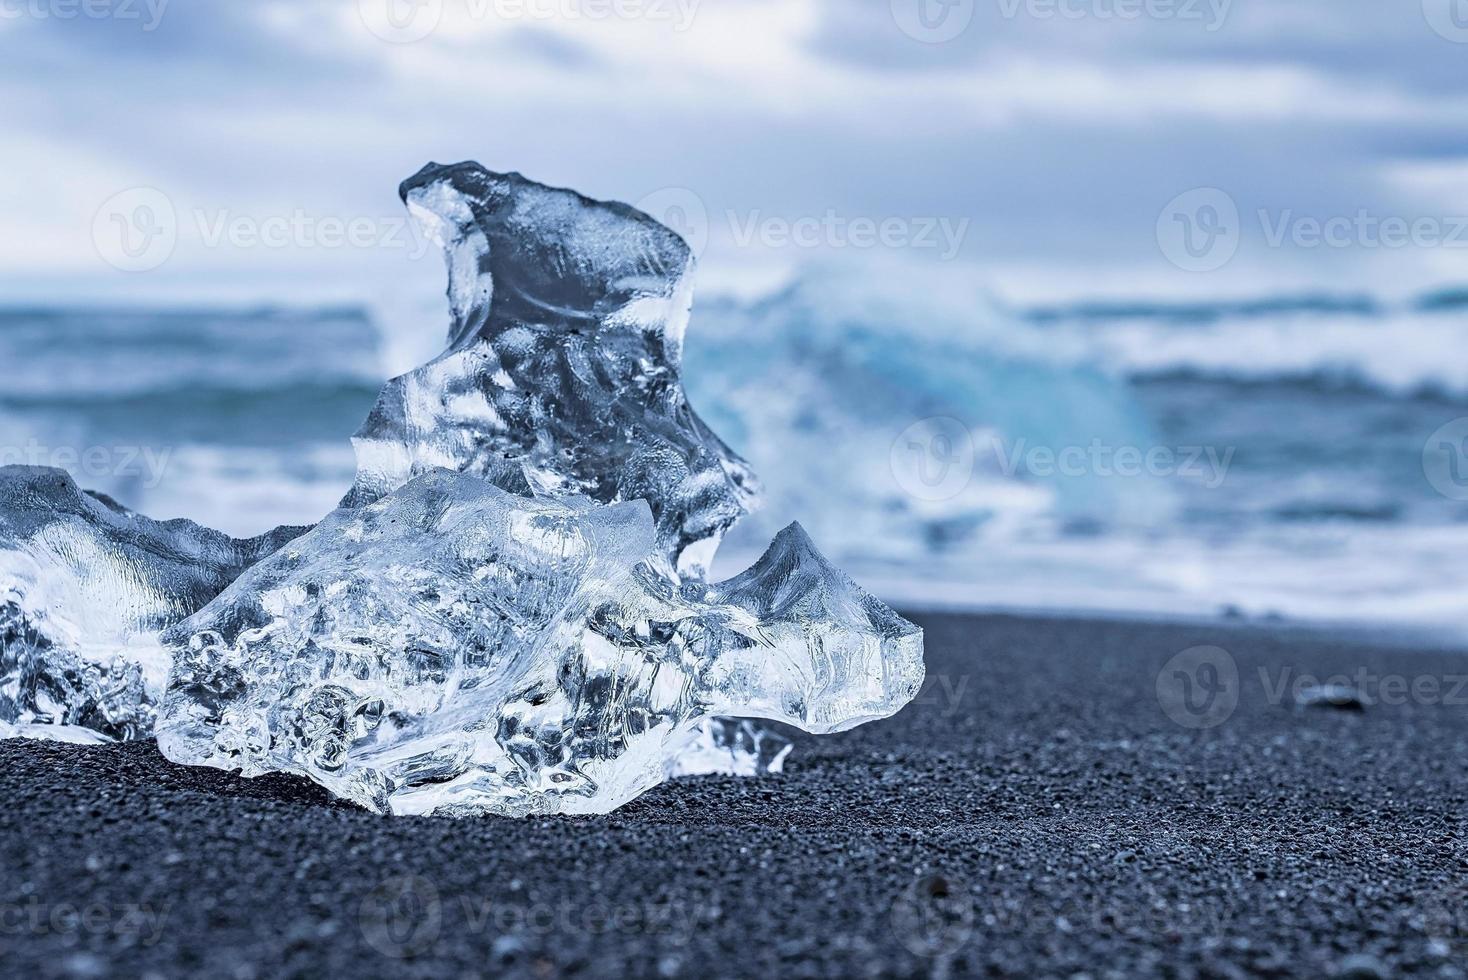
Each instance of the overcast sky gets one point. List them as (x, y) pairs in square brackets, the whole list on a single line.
[(233, 149)]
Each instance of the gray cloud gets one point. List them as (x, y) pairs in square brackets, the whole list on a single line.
[(277, 105)]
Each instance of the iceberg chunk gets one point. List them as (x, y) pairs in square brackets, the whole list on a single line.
[(456, 649), (562, 377), (85, 587), (539, 499), (562, 372)]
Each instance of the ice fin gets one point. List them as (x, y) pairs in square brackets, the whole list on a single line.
[(562, 372), (826, 655)]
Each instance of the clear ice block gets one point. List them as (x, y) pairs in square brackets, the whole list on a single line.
[(456, 649), (562, 377)]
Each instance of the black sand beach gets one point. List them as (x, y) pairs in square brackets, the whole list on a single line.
[(1038, 812)]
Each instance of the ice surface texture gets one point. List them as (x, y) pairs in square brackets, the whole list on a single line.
[(456, 649), (85, 586), (562, 370)]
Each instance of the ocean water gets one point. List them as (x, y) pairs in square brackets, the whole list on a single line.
[(1285, 457)]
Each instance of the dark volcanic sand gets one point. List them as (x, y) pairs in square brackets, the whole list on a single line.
[(1037, 813)]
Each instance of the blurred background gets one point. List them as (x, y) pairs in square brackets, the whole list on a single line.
[(1137, 305)]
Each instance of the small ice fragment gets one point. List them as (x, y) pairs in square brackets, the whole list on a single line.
[(456, 649), (1339, 696), (730, 747), (85, 587)]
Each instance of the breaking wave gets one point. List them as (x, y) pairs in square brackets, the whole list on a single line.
[(1341, 343), (858, 392), (915, 425)]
